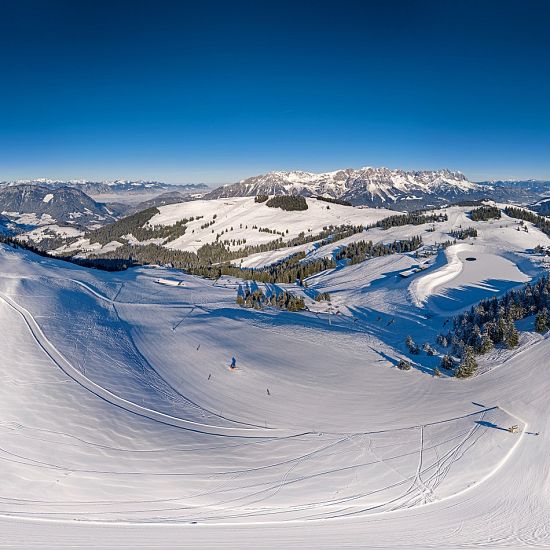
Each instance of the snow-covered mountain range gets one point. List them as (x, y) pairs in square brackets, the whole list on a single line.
[(111, 186), (363, 186), (375, 187)]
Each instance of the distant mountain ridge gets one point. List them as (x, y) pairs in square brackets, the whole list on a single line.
[(170, 197), (109, 186), (370, 186)]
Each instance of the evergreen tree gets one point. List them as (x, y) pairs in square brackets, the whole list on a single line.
[(511, 338), (413, 348), (486, 344), (428, 349), (468, 364), (403, 365), (541, 321), (447, 363)]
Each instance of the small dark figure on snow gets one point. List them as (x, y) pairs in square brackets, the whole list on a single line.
[(268, 391), (233, 363)]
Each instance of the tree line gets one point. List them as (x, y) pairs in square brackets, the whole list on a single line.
[(333, 201), (287, 202), (362, 250), (462, 234), (412, 218)]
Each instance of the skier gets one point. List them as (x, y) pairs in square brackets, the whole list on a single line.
[(233, 363)]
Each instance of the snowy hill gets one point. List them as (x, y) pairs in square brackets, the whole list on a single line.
[(242, 218), (241, 222)]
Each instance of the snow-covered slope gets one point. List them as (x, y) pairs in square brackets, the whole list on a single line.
[(372, 186), (242, 219), (122, 425)]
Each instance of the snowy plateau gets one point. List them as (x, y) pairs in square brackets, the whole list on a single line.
[(146, 408)]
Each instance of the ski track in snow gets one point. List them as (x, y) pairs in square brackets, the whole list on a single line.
[(254, 498), (76, 375), (81, 463)]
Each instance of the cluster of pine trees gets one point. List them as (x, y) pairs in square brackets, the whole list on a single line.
[(362, 250), (492, 322), (254, 297), (261, 198), (206, 225), (463, 234), (287, 202), (484, 213), (204, 263), (412, 218), (286, 300), (538, 221), (290, 270)]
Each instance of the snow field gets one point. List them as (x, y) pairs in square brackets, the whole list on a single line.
[(389, 456), (231, 213)]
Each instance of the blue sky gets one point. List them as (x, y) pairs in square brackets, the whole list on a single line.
[(217, 91)]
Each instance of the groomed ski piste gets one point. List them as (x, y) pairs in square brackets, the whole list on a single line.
[(123, 425)]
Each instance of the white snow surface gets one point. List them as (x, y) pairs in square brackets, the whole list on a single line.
[(233, 213), (122, 425)]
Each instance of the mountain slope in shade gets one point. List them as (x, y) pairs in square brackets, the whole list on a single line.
[(522, 192), (63, 205), (170, 197)]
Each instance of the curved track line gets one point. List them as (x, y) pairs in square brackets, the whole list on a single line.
[(339, 517), (56, 356), (113, 302)]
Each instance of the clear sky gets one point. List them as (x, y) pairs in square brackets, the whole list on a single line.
[(190, 91)]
